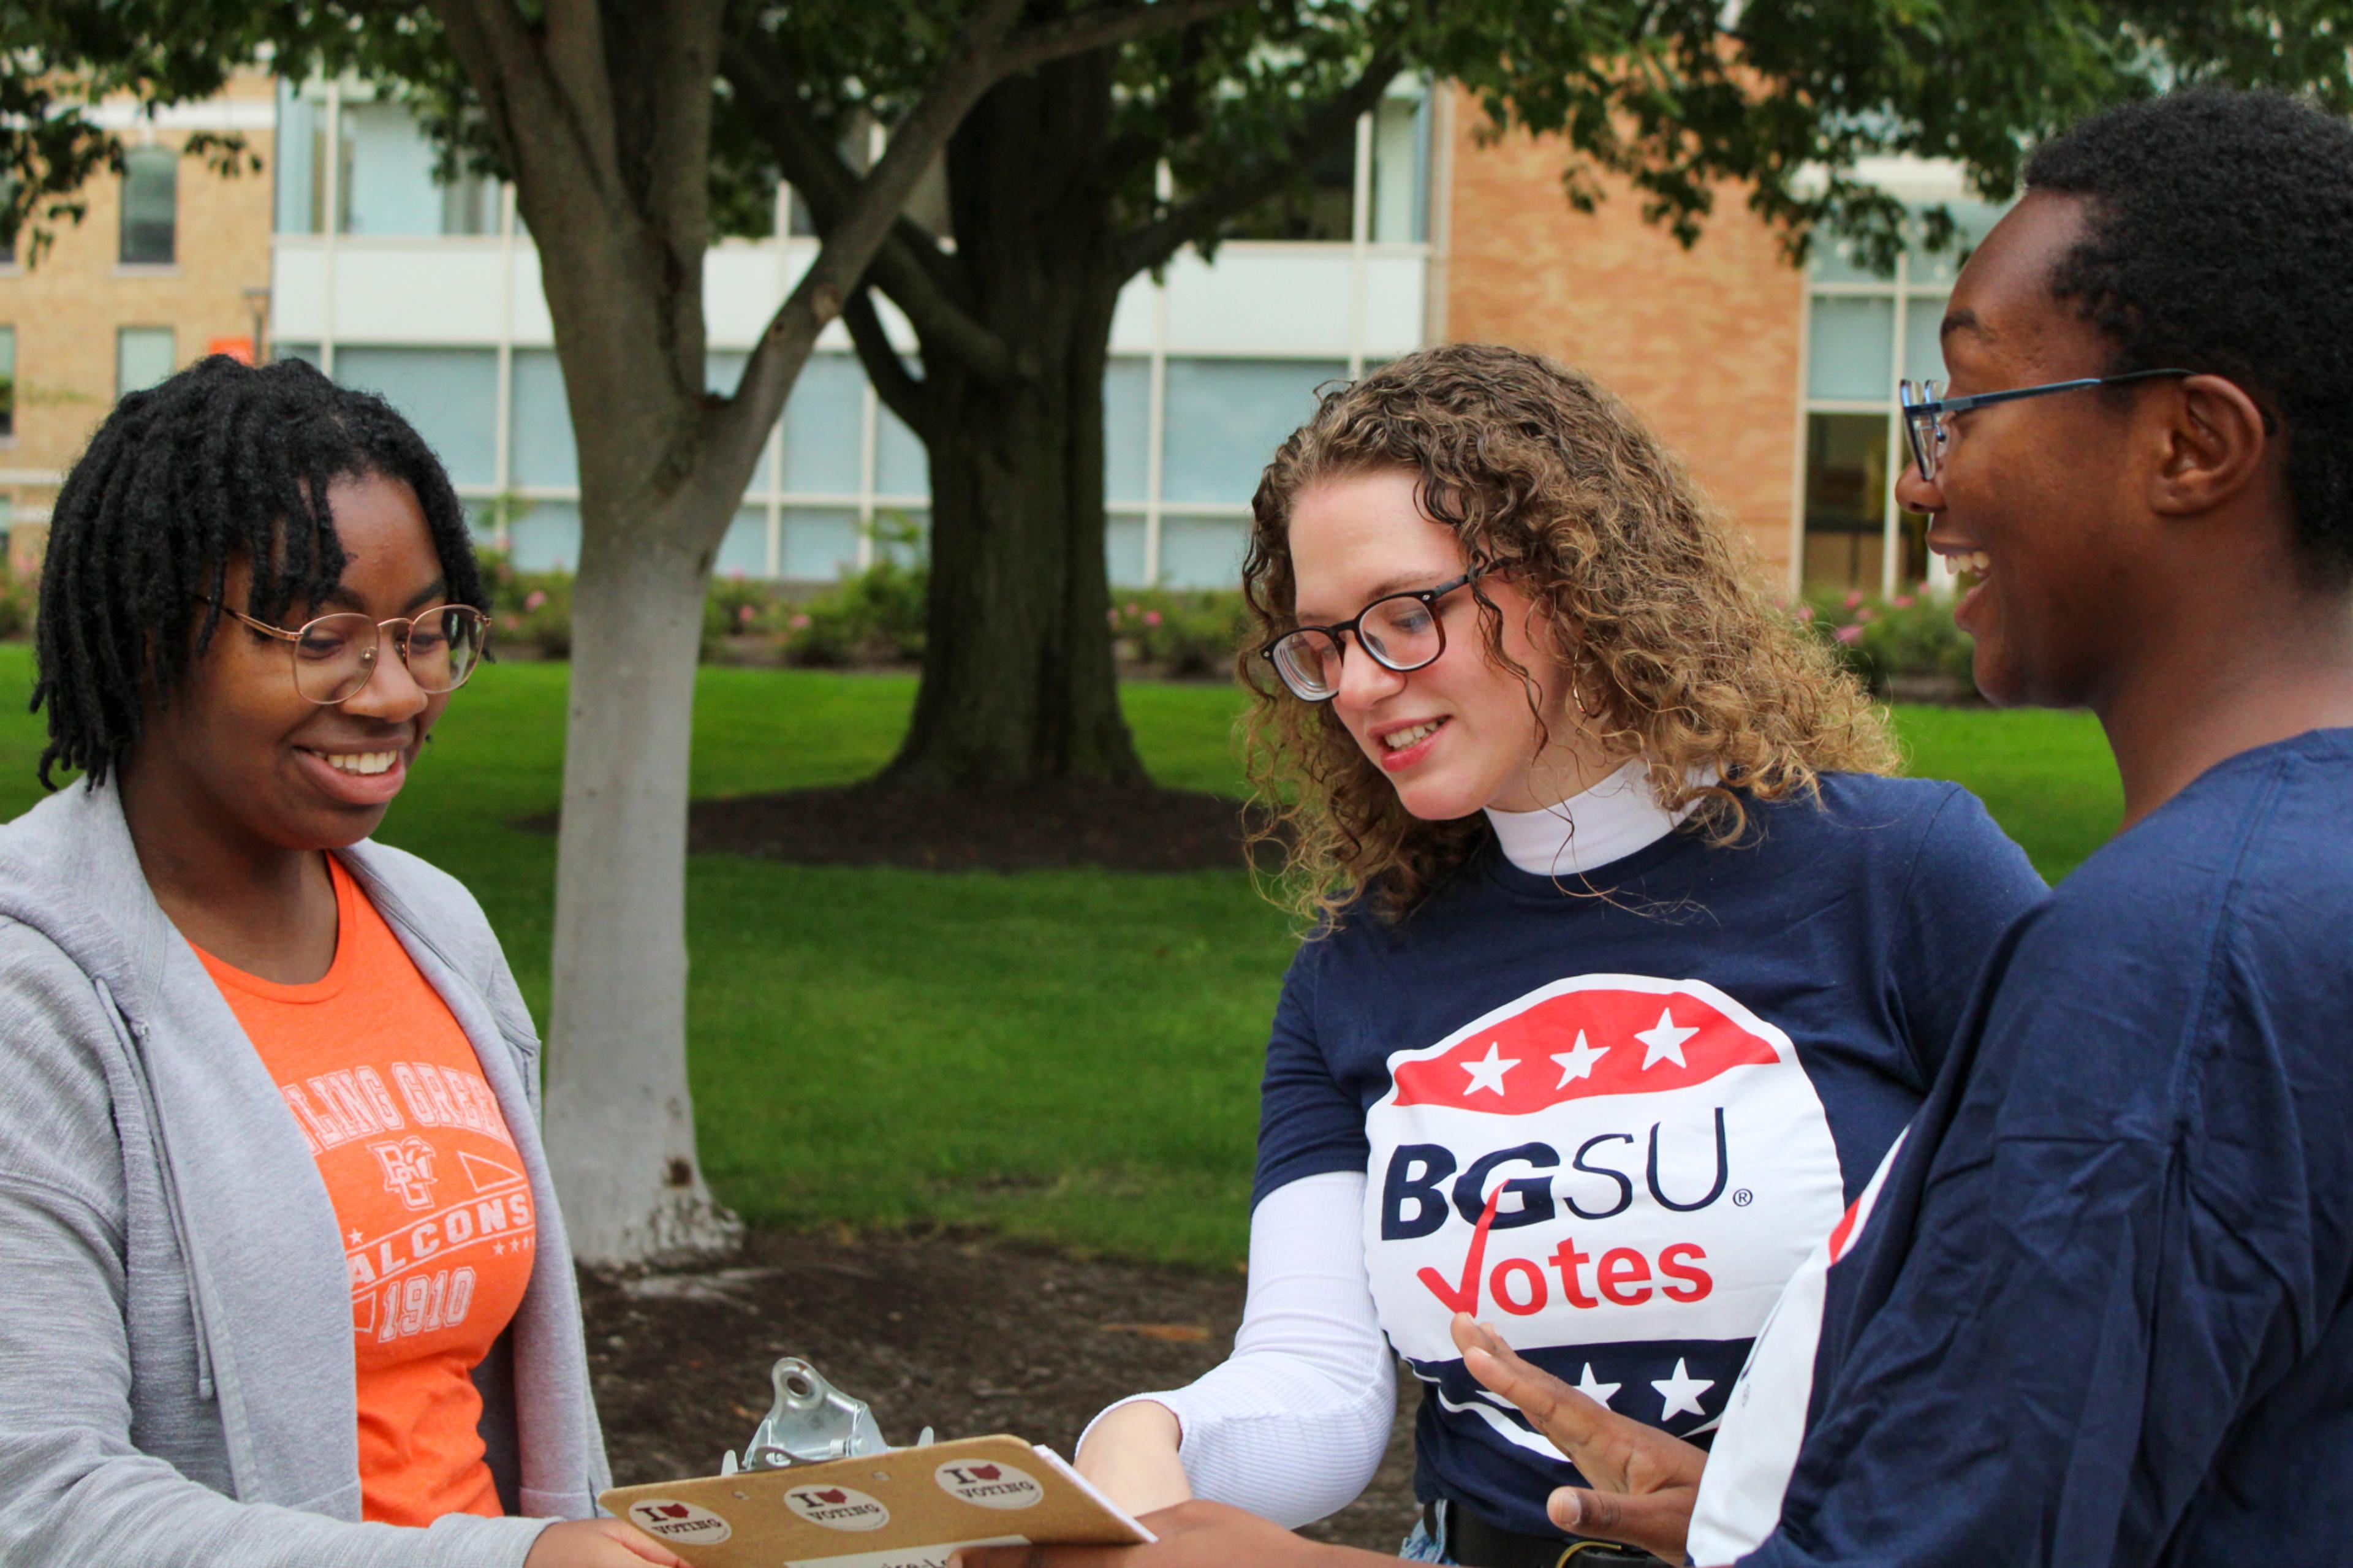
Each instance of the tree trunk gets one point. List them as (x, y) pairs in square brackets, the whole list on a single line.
[(620, 1120), (1017, 681)]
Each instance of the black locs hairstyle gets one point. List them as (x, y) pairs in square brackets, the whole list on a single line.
[(222, 461), (2221, 240)]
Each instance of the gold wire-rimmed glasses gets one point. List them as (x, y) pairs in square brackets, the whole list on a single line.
[(334, 656)]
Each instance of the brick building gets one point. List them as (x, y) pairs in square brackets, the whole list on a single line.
[(171, 262), (1774, 382)]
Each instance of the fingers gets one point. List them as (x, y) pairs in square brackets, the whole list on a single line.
[(1558, 1411), (1656, 1521)]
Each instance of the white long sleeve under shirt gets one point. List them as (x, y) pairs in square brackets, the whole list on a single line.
[(1292, 1424)]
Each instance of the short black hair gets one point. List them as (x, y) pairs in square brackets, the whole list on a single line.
[(222, 461), (2221, 240)]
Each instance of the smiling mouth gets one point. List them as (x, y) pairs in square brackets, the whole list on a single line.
[(1398, 740), (365, 763), (1967, 562)]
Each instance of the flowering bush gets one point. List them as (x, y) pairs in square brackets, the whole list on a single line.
[(1887, 640), (530, 612), (1182, 632), (20, 598)]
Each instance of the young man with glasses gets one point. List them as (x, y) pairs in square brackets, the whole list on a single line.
[(2096, 1308)]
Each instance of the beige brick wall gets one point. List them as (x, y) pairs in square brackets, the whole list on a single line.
[(1704, 343), (67, 308)]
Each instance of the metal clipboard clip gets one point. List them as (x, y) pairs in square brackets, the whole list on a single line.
[(810, 1422)]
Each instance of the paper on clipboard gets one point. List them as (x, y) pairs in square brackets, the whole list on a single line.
[(903, 1508)]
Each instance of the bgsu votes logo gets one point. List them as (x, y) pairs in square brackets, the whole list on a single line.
[(684, 1521), (837, 1508), (1609, 1158), (989, 1485)]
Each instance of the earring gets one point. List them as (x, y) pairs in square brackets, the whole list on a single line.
[(1577, 694)]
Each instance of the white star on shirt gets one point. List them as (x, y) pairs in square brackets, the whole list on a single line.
[(1681, 1391), (356, 1239), (1577, 1060), (1595, 1389), (1663, 1042), (1489, 1074)]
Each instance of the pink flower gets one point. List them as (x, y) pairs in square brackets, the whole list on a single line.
[(1114, 620), (1865, 615), (1854, 600), (801, 623), (1902, 601), (742, 614), (1805, 614), (735, 574), (533, 599), (1132, 610), (1151, 618), (1849, 634)]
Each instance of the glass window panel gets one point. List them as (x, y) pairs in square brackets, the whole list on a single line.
[(150, 205), (451, 395), (903, 534), (387, 184), (721, 368), (143, 356), (307, 352), (302, 123), (1202, 552), (1226, 417), (7, 380), (743, 552), (1850, 349), (901, 466), (1321, 206), (1974, 218), (539, 447), (1924, 355), (1127, 429), (825, 427), (1124, 544), (819, 544), (1847, 480), (469, 204), (1400, 170), (545, 536)]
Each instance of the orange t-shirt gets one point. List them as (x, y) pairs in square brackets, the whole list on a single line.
[(434, 1206)]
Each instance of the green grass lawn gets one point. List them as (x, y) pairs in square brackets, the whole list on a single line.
[(1068, 1056)]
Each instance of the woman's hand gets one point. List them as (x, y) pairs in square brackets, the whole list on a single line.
[(1131, 1455), (597, 1543), (1645, 1482), (1192, 1535)]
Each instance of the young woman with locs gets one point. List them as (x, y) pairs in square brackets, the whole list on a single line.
[(1628, 964), (285, 1284)]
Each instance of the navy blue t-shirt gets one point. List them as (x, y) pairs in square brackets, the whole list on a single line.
[(1611, 1117), (2102, 1311)]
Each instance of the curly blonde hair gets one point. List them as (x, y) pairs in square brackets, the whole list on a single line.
[(1676, 655)]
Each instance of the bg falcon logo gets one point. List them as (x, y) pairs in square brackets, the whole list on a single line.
[(1609, 1158)]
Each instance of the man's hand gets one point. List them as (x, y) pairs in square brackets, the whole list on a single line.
[(1192, 1535), (1644, 1480), (598, 1543)]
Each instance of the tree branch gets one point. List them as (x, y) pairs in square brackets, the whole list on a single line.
[(522, 102), (1322, 129), (738, 426), (899, 391), (1106, 26)]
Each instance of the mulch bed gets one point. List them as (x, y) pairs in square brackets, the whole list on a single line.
[(1044, 827), (956, 1332)]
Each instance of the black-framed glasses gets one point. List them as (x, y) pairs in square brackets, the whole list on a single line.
[(334, 656), (1402, 632), (1926, 413)]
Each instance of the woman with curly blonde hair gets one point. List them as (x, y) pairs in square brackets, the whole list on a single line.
[(1629, 961)]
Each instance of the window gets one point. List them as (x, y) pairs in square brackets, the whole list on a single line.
[(151, 207), (1866, 330), (1321, 206), (7, 382), (143, 356), (451, 395)]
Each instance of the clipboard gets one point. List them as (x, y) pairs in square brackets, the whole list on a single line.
[(902, 1508)]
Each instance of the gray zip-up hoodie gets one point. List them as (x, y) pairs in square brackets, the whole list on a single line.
[(176, 1376)]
